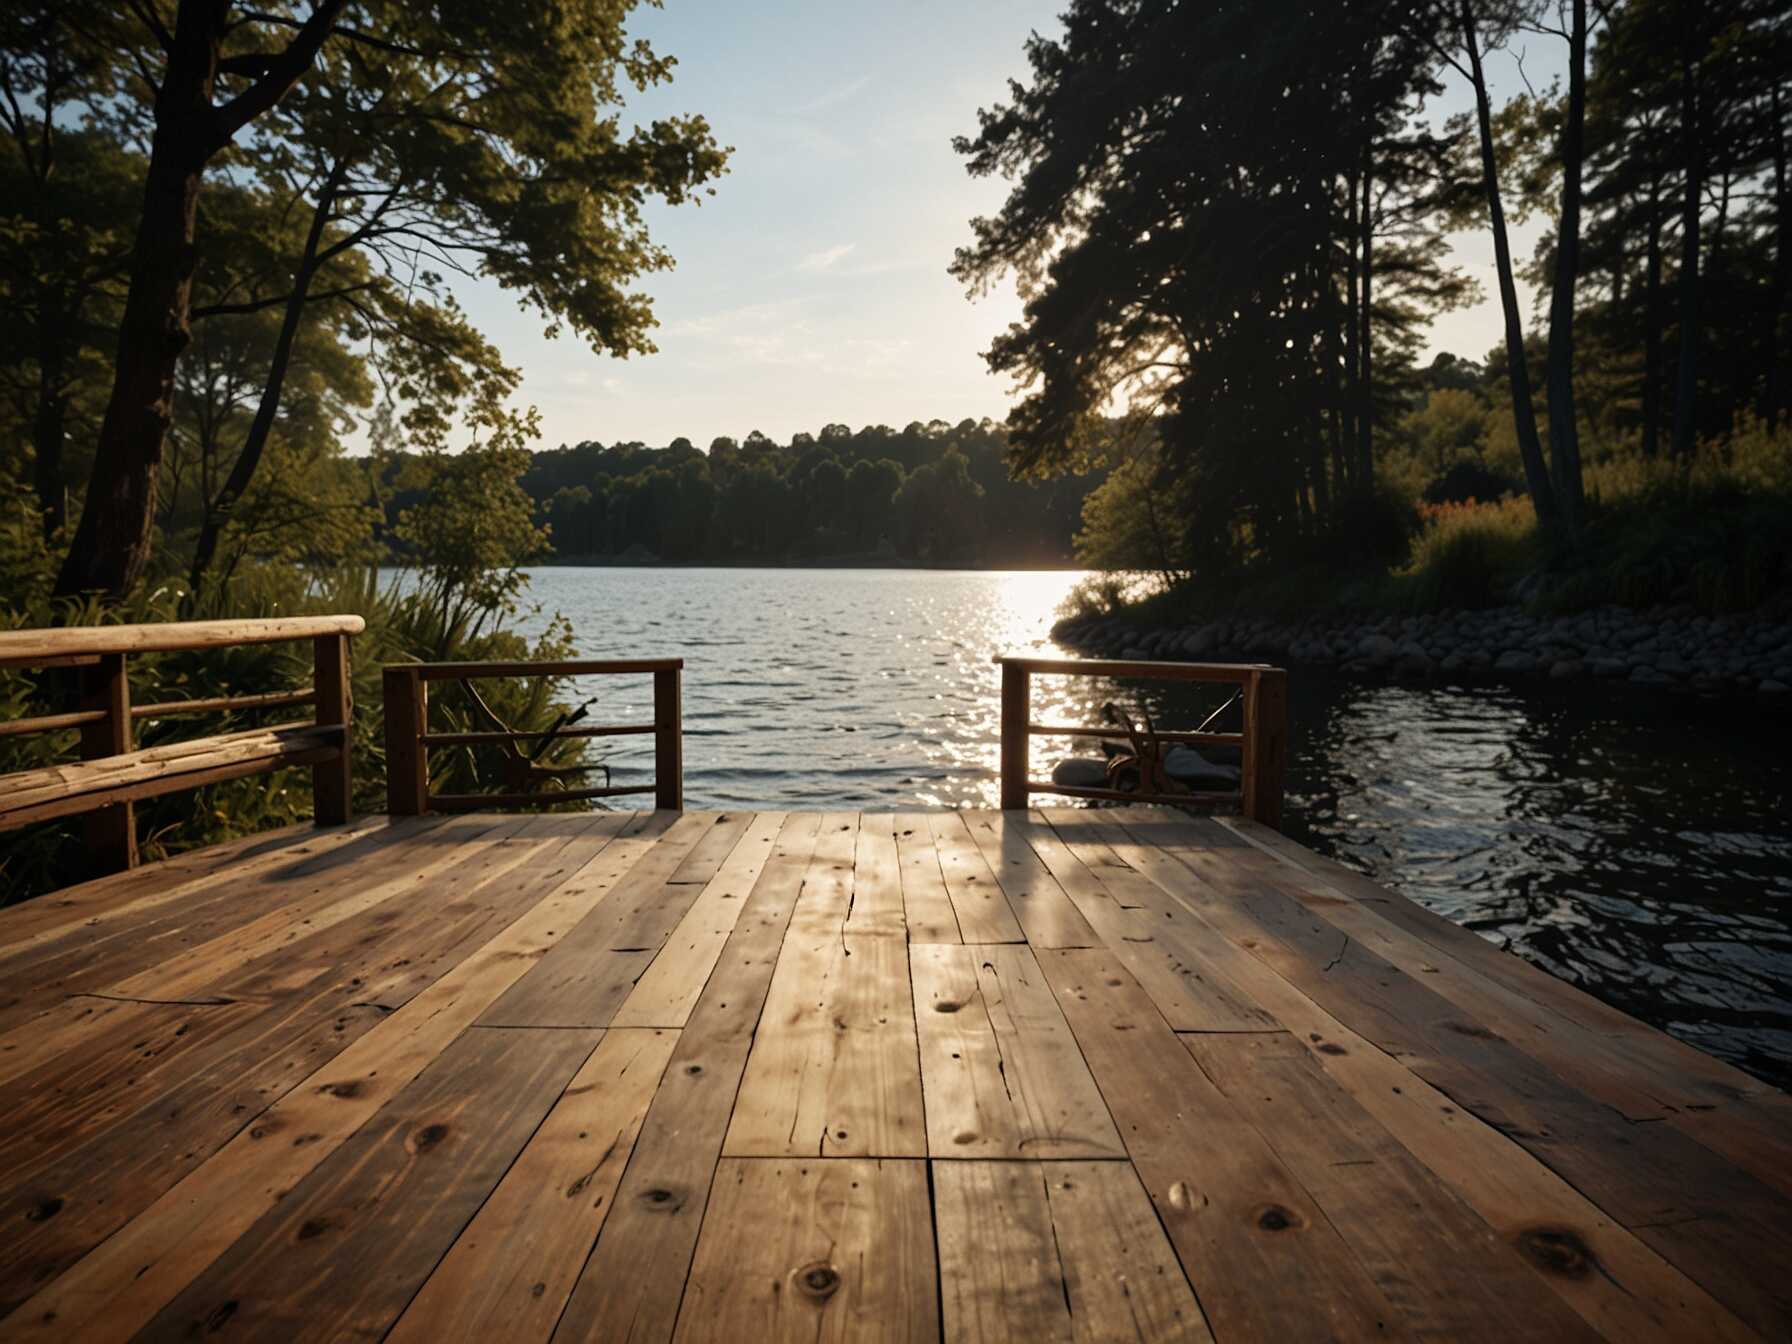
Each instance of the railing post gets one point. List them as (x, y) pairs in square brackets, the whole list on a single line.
[(1017, 712), (1265, 745), (332, 782), (668, 739), (406, 698), (111, 831)]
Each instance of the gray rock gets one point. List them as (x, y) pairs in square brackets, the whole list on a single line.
[(1081, 772), (1515, 660), (1772, 687), (1376, 648), (1566, 670), (1610, 667)]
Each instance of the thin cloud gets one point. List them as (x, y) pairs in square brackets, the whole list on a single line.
[(832, 98), (825, 259)]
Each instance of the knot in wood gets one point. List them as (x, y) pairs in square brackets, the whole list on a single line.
[(44, 1210), (1557, 1250), (428, 1137), (818, 1281), (661, 1200), (1275, 1218)]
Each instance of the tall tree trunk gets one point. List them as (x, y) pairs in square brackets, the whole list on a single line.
[(1564, 434), (49, 423), (1774, 393), (1352, 358), (1365, 424), (1334, 373), (111, 543), (1524, 413), (242, 471), (1652, 319), (1686, 381)]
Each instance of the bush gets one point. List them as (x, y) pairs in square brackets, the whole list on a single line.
[(1371, 527), (1468, 481), (1469, 555)]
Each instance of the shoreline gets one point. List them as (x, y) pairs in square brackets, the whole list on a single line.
[(819, 562), (1661, 648)]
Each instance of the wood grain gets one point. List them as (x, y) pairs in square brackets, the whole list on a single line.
[(349, 1246), (1242, 1224), (1371, 1123), (927, 909), (814, 1250), (665, 995), (1057, 1251), (123, 1283), (509, 1274), (632, 1284), (1002, 1072), (984, 915)]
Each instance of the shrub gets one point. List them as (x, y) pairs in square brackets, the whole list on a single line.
[(1467, 481), (1371, 527), (1469, 555)]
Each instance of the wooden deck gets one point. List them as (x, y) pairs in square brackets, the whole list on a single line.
[(1052, 1075)]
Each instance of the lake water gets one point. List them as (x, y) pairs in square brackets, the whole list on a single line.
[(1635, 844)]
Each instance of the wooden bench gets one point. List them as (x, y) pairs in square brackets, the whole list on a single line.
[(113, 775)]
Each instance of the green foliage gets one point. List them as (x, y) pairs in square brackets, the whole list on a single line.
[(836, 494), (1370, 528), (936, 511), (1208, 289), (1471, 555), (470, 532), (1131, 523)]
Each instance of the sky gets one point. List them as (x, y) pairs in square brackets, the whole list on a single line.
[(812, 287)]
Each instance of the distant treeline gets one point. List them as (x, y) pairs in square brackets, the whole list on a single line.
[(932, 493)]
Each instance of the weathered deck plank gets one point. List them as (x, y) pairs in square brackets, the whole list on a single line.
[(1068, 1074)]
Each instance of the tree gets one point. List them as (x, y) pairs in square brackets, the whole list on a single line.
[(435, 138), (870, 490), (64, 188), (112, 540), (1182, 228), (936, 511), (1479, 29), (472, 530)]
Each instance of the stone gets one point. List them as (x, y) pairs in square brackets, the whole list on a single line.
[(1772, 687), (1515, 660), (1566, 669), (1081, 772), (1610, 667), (1376, 648)]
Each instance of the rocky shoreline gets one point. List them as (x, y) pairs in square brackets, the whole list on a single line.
[(1671, 648)]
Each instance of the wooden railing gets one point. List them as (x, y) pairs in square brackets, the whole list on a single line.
[(408, 738), (112, 775), (1262, 745)]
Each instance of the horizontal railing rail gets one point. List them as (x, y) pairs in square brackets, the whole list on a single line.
[(1262, 744), (408, 737), (112, 774)]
